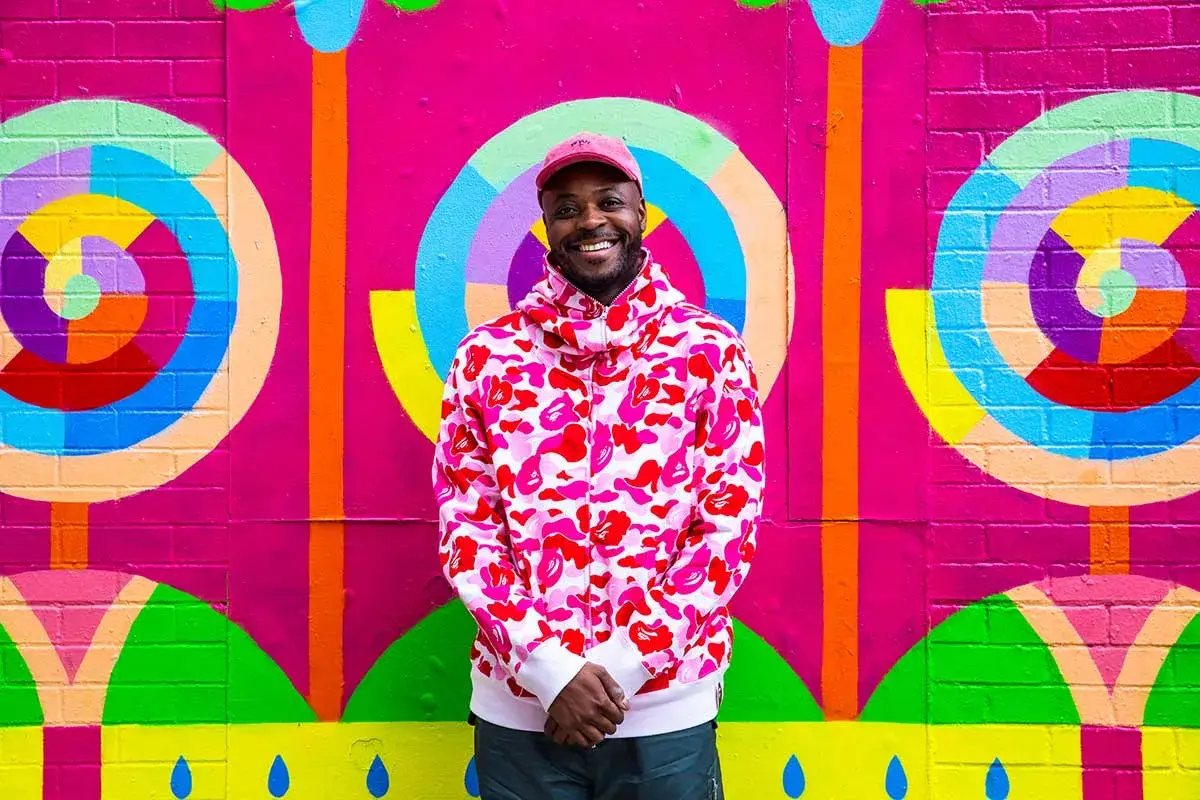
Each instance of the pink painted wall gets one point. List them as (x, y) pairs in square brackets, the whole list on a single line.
[(942, 86)]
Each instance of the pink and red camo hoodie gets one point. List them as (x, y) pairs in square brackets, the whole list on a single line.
[(599, 473)]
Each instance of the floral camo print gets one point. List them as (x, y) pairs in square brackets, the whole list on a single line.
[(599, 474)]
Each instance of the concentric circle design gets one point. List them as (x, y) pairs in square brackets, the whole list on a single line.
[(714, 223), (125, 304), (1064, 298)]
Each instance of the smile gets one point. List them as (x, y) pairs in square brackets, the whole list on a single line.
[(596, 247)]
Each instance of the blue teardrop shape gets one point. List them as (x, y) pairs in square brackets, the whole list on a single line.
[(996, 786), (181, 779), (471, 779), (378, 780), (793, 778), (278, 781), (896, 782)]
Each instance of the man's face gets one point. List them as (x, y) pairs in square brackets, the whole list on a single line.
[(594, 220)]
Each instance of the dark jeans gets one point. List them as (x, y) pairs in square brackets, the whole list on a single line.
[(517, 765)]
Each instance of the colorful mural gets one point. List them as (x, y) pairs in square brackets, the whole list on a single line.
[(239, 243)]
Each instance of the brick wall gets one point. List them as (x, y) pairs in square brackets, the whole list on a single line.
[(217, 539)]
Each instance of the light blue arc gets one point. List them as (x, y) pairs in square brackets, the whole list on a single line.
[(328, 25), (845, 23)]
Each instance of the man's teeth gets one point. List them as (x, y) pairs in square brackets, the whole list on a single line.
[(595, 247)]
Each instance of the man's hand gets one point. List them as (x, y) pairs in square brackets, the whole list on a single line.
[(588, 708)]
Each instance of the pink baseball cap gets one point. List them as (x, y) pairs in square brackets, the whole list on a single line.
[(589, 147)]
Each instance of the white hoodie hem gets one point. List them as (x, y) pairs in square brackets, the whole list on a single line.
[(676, 708)]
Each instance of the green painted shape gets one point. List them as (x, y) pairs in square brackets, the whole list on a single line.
[(692, 144), (81, 295), (412, 5), (761, 687), (1117, 290), (19, 702), (186, 664), (424, 676), (242, 5), (1095, 120), (1174, 700), (74, 124), (983, 665)]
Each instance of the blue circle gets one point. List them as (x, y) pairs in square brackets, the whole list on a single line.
[(175, 201), (690, 204), (958, 270)]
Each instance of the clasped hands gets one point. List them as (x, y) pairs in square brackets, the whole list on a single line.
[(588, 708)]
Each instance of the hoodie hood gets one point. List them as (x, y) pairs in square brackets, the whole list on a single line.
[(586, 327)]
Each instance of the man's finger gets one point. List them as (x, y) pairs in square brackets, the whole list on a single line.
[(614, 690), (592, 736), (609, 710)]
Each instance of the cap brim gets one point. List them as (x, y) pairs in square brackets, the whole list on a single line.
[(548, 171)]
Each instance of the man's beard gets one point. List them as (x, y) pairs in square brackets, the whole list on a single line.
[(627, 269)]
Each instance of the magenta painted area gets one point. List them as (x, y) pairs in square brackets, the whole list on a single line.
[(806, 93), (892, 604), (163, 273), (893, 435), (269, 119), (1112, 763), (71, 763), (268, 591), (781, 600), (670, 248), (386, 561), (70, 605)]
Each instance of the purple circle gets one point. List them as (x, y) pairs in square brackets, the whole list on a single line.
[(1151, 266), (1053, 277), (114, 269), (526, 268), (23, 304)]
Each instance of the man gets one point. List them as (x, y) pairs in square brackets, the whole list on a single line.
[(599, 474)]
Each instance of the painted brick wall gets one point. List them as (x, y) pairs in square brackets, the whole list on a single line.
[(237, 246)]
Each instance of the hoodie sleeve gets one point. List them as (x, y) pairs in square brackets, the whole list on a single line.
[(654, 626), (476, 556)]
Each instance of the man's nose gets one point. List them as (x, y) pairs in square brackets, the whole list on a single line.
[(591, 218)]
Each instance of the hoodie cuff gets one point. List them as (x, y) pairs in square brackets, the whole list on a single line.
[(623, 661), (549, 668)]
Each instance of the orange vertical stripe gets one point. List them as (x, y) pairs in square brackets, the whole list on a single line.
[(841, 275), (68, 536), (326, 393), (1109, 535)]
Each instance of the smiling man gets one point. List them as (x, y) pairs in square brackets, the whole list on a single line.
[(599, 474)]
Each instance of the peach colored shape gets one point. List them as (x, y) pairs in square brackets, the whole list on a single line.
[(761, 226), (1008, 319), (66, 701)]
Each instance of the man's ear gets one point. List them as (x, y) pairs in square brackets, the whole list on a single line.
[(642, 211)]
